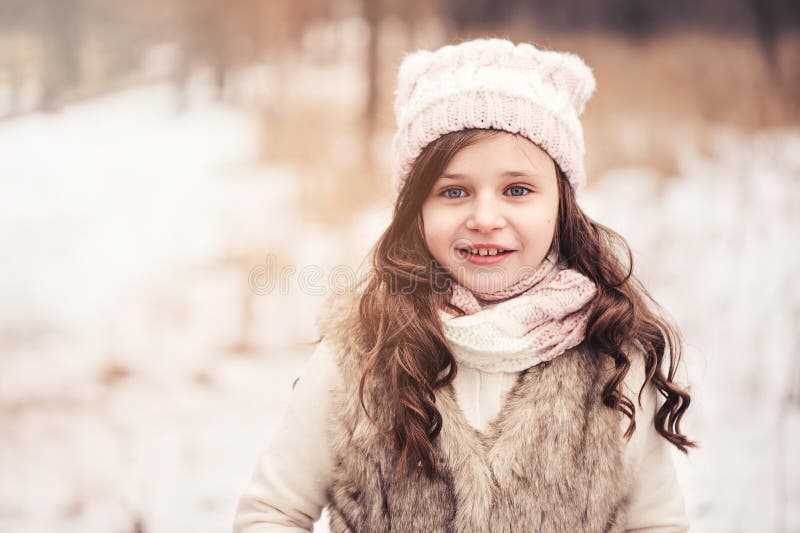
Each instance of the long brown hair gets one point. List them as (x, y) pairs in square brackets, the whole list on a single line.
[(400, 331)]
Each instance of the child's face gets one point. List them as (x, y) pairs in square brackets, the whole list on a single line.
[(506, 195)]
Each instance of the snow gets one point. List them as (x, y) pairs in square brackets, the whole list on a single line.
[(717, 247), (122, 397), (143, 372)]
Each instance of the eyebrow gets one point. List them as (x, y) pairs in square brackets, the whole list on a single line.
[(506, 174)]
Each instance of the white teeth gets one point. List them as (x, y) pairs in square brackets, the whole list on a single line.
[(483, 251)]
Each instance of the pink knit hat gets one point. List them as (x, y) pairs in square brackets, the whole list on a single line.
[(491, 83)]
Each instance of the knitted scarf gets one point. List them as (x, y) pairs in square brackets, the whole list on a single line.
[(532, 321)]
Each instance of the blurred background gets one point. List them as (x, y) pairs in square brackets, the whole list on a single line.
[(182, 182)]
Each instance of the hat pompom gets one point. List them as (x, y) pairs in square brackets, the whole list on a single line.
[(582, 83), (411, 69)]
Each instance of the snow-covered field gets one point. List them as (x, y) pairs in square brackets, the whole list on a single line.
[(718, 248), (141, 375)]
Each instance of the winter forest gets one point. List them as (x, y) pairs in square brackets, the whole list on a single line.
[(162, 162)]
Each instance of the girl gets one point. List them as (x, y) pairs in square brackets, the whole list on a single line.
[(480, 377)]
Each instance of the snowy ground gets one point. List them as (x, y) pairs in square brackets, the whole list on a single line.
[(718, 249), (141, 376)]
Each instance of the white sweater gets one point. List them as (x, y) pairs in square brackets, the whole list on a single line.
[(287, 489)]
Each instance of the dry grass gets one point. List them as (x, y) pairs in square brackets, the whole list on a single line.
[(674, 88), (325, 146)]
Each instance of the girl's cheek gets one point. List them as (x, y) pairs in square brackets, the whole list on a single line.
[(541, 220), (435, 236), (440, 225)]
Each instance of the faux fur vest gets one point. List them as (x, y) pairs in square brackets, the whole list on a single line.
[(552, 460)]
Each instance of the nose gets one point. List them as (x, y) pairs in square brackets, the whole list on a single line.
[(485, 216)]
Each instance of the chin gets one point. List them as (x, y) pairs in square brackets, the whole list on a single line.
[(496, 283)]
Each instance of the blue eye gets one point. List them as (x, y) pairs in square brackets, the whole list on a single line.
[(520, 189), (454, 193), (447, 192)]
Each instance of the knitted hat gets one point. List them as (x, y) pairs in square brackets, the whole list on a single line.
[(491, 83)]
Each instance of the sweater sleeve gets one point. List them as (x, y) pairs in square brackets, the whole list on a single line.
[(656, 504), (287, 489)]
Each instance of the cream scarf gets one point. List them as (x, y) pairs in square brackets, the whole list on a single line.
[(532, 321)]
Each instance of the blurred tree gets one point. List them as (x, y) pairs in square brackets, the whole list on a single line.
[(224, 34), (61, 25), (767, 31), (373, 13), (631, 17), (376, 13), (637, 19)]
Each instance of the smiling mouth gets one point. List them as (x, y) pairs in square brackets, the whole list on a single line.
[(484, 252), (484, 258)]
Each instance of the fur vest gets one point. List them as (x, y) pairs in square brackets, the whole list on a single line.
[(550, 461)]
